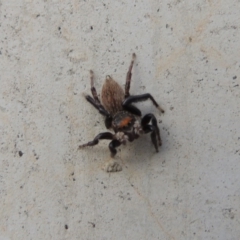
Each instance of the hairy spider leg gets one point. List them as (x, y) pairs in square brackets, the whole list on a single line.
[(99, 107), (104, 136), (139, 98), (97, 104), (153, 128), (129, 76), (93, 89)]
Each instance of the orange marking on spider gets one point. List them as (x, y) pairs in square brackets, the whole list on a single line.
[(125, 122)]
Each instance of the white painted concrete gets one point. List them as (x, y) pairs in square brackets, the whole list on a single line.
[(187, 57)]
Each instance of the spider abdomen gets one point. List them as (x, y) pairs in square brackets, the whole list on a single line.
[(112, 96)]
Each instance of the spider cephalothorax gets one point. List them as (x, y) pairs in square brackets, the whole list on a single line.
[(121, 116)]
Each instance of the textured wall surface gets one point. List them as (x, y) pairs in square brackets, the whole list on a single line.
[(188, 57)]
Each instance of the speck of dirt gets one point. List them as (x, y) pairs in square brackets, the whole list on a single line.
[(66, 226), (20, 153), (235, 77), (93, 224)]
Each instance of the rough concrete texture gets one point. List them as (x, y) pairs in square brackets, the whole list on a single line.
[(187, 57)]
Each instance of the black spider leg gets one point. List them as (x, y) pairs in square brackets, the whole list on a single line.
[(107, 136), (138, 98), (97, 104), (112, 146), (129, 76), (153, 128)]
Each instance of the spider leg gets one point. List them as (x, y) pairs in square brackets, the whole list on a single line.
[(138, 98), (100, 136), (93, 89), (153, 128), (111, 166), (132, 109), (97, 104), (112, 146), (107, 136), (128, 77)]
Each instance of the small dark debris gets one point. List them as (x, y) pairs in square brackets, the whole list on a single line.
[(235, 77), (74, 179), (167, 25), (236, 85), (66, 226), (38, 15), (91, 27), (199, 80), (59, 28), (20, 153), (158, 10), (93, 224), (228, 213)]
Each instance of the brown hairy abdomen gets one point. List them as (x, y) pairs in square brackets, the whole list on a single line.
[(112, 96)]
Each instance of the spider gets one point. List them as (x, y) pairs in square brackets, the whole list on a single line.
[(122, 116)]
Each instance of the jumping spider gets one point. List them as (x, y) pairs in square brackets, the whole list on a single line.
[(121, 116)]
